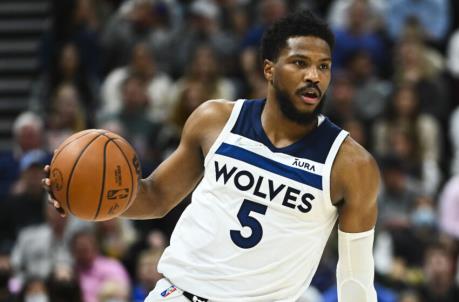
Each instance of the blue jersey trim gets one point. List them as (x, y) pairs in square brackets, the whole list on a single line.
[(270, 165), (314, 146)]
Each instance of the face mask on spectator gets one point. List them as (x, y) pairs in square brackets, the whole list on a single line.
[(423, 217)]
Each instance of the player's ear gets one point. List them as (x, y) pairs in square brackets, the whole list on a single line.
[(268, 69)]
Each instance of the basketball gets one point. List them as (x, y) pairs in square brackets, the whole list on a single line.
[(94, 175)]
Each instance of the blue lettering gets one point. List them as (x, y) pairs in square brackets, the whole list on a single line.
[(237, 180), (274, 191), (219, 172), (257, 192), (290, 195), (306, 200)]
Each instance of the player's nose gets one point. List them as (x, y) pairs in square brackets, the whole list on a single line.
[(311, 74)]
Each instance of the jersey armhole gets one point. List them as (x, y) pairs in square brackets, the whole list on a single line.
[(329, 164), (226, 129)]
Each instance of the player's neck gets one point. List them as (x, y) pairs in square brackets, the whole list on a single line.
[(280, 130)]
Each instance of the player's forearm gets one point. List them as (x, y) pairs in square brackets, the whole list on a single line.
[(147, 203), (355, 269)]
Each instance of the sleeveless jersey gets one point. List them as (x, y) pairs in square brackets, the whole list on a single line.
[(259, 219)]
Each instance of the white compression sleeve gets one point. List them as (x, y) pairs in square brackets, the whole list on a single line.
[(355, 269)]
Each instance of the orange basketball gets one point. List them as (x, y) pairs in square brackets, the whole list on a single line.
[(95, 175)]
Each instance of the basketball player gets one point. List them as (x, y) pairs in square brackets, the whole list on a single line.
[(270, 179)]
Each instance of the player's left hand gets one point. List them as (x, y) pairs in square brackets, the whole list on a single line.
[(46, 183)]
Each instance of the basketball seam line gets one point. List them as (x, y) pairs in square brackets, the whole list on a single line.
[(101, 196), (73, 169), (130, 170), (63, 147)]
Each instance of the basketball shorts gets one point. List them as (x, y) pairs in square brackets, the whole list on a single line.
[(166, 291)]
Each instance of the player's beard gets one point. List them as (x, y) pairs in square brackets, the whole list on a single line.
[(289, 111)]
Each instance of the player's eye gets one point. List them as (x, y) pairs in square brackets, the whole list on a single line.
[(324, 66), (299, 63)]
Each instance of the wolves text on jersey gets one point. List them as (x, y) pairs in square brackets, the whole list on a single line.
[(245, 181)]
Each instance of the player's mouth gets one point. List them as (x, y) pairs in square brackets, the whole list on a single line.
[(310, 96)]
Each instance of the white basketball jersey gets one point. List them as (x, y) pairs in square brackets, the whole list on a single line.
[(261, 216)]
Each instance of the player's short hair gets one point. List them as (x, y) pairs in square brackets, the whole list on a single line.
[(302, 23)]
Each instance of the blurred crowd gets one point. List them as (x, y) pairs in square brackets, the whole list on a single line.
[(140, 67)]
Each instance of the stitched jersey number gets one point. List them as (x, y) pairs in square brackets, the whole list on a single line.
[(248, 221)]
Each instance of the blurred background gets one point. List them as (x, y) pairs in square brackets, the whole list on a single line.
[(140, 67)]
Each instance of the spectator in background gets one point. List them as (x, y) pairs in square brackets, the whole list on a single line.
[(340, 105), (452, 58), (338, 13), (146, 274), (204, 67), (448, 206), (63, 286), (356, 36), (144, 65), (422, 67), (34, 290), (399, 251), (5, 274), (453, 54), (26, 203), (93, 269), (75, 22), (433, 15), (152, 240), (371, 92), (357, 131), (40, 248), (67, 68), (189, 99), (28, 134), (254, 82), (413, 135), (268, 12), (438, 271), (454, 138), (397, 196), (139, 129), (115, 236), (236, 20), (137, 21), (202, 26), (113, 290), (409, 296), (66, 116)]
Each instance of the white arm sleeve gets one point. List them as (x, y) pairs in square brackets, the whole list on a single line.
[(355, 269)]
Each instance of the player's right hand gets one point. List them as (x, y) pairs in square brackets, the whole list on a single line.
[(46, 183)]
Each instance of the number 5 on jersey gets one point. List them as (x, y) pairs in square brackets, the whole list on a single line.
[(248, 221)]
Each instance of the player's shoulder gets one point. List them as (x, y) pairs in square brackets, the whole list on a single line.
[(354, 170), (354, 165), (211, 113), (218, 108), (209, 118), (352, 154)]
